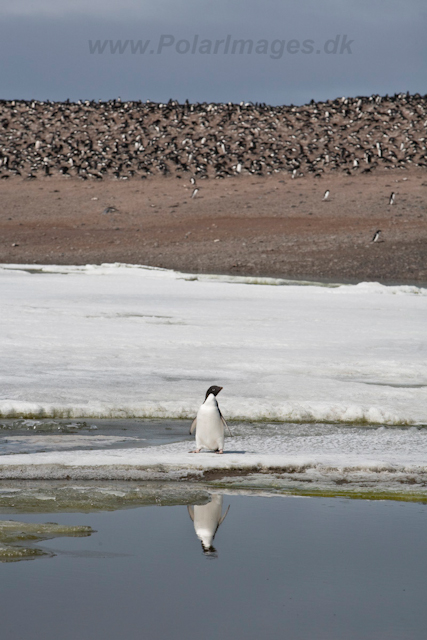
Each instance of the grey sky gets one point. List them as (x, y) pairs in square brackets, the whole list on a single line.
[(45, 51)]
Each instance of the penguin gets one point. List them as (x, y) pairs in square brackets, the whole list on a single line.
[(195, 192), (376, 237), (326, 195), (207, 519), (391, 201), (209, 424)]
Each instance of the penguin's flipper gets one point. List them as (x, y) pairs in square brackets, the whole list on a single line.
[(190, 510), (225, 424), (193, 426), (222, 518)]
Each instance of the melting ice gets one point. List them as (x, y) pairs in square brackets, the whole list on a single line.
[(126, 341), (121, 341)]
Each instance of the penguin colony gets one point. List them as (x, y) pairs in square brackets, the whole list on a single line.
[(123, 140)]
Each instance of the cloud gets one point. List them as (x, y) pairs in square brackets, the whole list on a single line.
[(62, 8), (51, 59)]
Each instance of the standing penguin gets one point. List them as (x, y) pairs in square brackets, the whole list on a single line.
[(326, 195), (209, 424), (207, 519)]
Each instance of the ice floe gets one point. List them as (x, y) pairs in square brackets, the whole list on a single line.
[(130, 341)]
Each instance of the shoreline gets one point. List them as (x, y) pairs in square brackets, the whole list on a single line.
[(36, 268)]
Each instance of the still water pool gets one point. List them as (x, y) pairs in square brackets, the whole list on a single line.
[(278, 567)]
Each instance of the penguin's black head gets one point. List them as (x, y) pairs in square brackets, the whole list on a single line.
[(215, 390)]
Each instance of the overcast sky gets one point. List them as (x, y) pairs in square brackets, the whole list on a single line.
[(331, 48)]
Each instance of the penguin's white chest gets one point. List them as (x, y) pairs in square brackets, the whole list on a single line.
[(210, 428), (206, 519)]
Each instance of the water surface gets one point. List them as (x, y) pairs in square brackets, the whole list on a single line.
[(283, 567)]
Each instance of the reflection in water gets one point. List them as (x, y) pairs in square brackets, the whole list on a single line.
[(207, 519)]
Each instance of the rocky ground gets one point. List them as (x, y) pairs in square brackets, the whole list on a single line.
[(272, 225)]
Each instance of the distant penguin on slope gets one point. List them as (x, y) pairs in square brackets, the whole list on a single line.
[(207, 519), (195, 192), (391, 200), (376, 237), (326, 194), (209, 424)]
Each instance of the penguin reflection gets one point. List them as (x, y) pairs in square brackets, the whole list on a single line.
[(207, 519)]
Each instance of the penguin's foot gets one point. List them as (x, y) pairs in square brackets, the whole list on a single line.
[(219, 451), (195, 451)]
